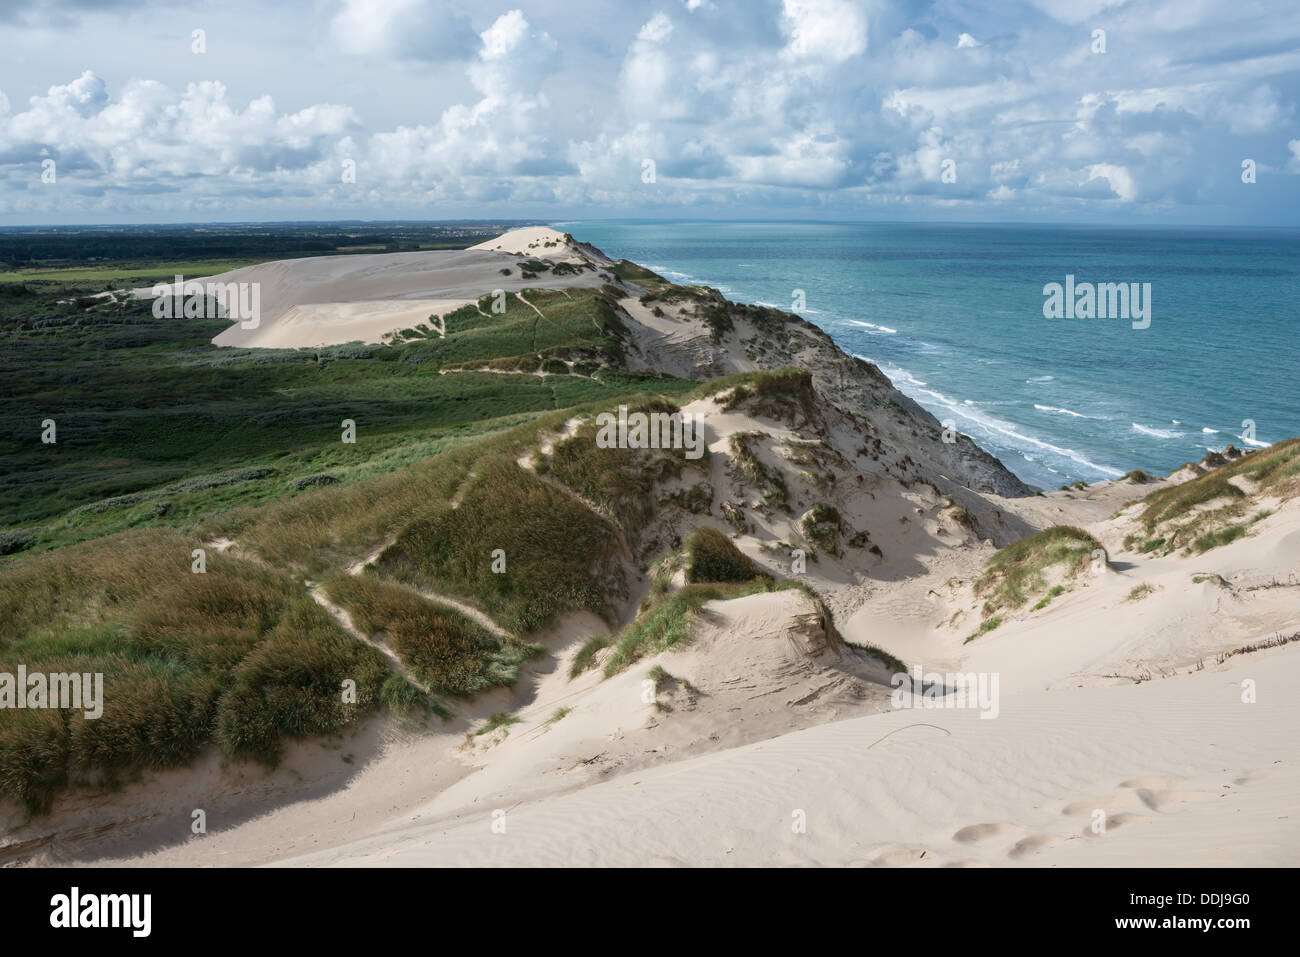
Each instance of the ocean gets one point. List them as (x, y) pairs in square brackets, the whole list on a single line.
[(954, 315)]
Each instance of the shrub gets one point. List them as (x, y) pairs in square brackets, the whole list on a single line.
[(712, 557), (1016, 572), (311, 481), (821, 526), (560, 553), (292, 685), (15, 539), (453, 654)]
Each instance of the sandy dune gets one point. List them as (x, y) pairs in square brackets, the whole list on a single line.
[(1185, 774), (329, 300), (1122, 736), (540, 242)]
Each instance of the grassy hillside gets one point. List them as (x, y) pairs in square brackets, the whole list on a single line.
[(166, 444)]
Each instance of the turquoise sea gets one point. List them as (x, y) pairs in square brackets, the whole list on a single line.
[(953, 314)]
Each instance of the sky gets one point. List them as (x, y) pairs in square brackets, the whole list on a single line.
[(1093, 111)]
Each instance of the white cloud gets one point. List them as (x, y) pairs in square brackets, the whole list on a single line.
[(1118, 178), (414, 29), (824, 30), (784, 104), (500, 135)]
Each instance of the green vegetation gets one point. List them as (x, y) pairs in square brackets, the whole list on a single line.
[(631, 272), (711, 557), (776, 393), (1013, 575), (667, 622), (450, 652), (988, 625), (559, 714), (586, 656), (821, 526), (238, 656), (1210, 510), (498, 719), (1220, 536), (166, 444), (1139, 592), (767, 479), (156, 251), (619, 482), (536, 321), (1175, 502), (1046, 600), (162, 433), (126, 275), (561, 555), (406, 700)]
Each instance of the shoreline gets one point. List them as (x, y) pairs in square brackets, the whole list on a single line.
[(1027, 444)]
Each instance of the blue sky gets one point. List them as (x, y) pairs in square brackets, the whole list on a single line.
[(789, 109)]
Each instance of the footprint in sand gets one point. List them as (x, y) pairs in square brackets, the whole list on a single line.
[(1032, 844), (1164, 798), (1113, 802), (974, 833), (900, 856), (1113, 821), (1150, 782)]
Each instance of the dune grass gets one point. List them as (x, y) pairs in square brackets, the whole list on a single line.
[(496, 720), (585, 659), (775, 393), (1046, 600), (618, 481), (1016, 573), (1176, 518), (1275, 469), (667, 622), (767, 479), (238, 656), (1138, 592), (821, 526), (449, 651), (711, 557), (985, 627), (560, 555)]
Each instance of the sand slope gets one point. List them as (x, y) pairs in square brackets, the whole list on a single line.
[(1185, 773), (329, 300), (761, 749)]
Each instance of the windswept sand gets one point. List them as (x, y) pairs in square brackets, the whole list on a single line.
[(540, 242), (330, 300), (1185, 774), (1123, 733)]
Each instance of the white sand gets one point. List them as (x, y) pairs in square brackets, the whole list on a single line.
[(1185, 773), (329, 300), (540, 242), (1110, 708)]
